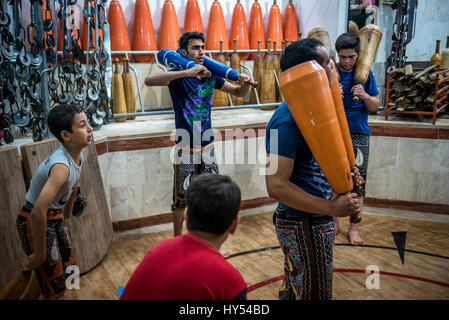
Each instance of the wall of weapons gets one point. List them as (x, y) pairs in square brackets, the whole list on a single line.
[(38, 71)]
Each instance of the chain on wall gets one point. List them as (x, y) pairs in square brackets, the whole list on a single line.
[(43, 64)]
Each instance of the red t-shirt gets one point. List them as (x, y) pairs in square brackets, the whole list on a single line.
[(184, 268)]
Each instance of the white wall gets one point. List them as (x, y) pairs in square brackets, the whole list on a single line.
[(432, 23), (413, 170)]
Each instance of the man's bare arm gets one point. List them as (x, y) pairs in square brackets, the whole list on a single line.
[(239, 90)]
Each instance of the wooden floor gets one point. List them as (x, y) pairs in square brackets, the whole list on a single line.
[(254, 251)]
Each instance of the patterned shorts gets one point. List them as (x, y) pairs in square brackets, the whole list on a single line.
[(187, 165), (51, 274), (307, 245), (360, 143)]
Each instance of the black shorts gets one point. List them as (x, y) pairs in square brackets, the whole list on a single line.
[(188, 164)]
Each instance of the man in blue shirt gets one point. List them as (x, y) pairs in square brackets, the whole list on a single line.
[(303, 218), (348, 47), (191, 94)]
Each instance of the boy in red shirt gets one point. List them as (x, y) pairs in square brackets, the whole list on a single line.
[(190, 267)]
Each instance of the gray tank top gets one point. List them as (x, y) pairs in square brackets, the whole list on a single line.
[(40, 177)]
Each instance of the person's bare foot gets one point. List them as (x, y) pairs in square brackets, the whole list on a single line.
[(353, 235), (336, 225)]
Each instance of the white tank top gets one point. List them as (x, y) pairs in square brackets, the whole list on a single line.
[(40, 177)]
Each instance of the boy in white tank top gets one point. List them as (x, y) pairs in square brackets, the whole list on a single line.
[(50, 199)]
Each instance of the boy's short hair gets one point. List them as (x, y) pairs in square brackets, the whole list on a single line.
[(301, 51), (348, 41), (187, 36), (213, 202), (61, 117)]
